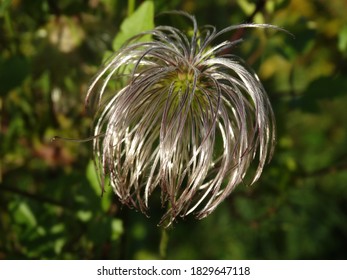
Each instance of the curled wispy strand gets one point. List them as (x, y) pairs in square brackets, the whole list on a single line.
[(175, 112)]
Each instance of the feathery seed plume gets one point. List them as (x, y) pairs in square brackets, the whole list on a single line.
[(179, 114)]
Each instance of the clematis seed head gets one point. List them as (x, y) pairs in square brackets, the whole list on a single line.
[(178, 114)]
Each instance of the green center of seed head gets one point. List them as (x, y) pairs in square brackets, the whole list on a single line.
[(185, 77)]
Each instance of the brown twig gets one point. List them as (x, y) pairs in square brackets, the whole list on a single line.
[(33, 196)]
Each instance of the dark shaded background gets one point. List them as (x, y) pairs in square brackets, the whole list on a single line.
[(50, 205)]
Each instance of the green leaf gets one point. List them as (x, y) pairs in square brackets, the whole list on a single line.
[(106, 199), (92, 177), (84, 216), (342, 41), (141, 20), (117, 228), (58, 245), (25, 215), (4, 6)]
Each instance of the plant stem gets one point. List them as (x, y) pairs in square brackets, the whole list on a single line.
[(164, 240)]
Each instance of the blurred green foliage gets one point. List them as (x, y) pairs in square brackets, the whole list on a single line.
[(50, 200)]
